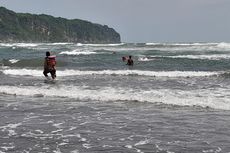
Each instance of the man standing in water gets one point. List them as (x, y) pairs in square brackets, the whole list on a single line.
[(130, 61), (49, 66)]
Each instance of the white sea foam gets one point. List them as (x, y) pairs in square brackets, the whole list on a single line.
[(60, 43), (125, 49), (193, 44), (22, 72), (62, 144), (224, 45), (142, 142), (39, 131), (77, 52), (171, 74), (198, 97), (100, 45), (18, 44), (145, 59), (152, 44), (57, 125), (129, 146), (7, 147), (57, 150), (182, 47), (13, 61), (181, 44), (210, 57), (86, 145), (56, 131), (74, 151), (10, 128)]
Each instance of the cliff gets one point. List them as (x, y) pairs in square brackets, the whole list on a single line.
[(25, 27)]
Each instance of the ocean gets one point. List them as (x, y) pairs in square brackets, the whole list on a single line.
[(175, 99)]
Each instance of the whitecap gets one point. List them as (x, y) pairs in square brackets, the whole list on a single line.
[(199, 97), (152, 44), (86, 145), (129, 146), (69, 72), (22, 72), (209, 57), (26, 45), (145, 59), (11, 132), (60, 43), (6, 148), (78, 52), (39, 131), (101, 45), (56, 131), (224, 45), (183, 47), (57, 125), (10, 128), (18, 44), (79, 44), (142, 142), (74, 151), (57, 150), (83, 139), (62, 144), (13, 61)]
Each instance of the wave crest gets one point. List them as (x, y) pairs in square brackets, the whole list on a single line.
[(202, 57), (75, 52), (202, 98), (171, 74)]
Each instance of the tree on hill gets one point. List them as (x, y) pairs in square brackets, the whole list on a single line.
[(25, 27)]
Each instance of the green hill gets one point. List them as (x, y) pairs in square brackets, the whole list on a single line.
[(24, 27)]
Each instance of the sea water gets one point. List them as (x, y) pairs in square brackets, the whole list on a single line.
[(175, 99)]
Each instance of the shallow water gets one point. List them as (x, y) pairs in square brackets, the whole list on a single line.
[(58, 125), (174, 99)]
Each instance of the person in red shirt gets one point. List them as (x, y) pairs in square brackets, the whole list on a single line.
[(49, 66)]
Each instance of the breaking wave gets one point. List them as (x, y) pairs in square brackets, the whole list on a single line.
[(18, 44), (75, 52), (100, 45), (209, 57), (69, 72), (202, 98), (13, 61), (223, 46)]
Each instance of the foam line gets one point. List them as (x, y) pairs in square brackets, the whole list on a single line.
[(75, 52), (209, 57), (200, 97), (69, 72)]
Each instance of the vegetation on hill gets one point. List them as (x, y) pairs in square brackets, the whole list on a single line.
[(25, 27)]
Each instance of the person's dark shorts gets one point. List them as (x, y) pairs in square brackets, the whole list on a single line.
[(51, 71)]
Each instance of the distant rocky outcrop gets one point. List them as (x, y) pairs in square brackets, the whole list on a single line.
[(25, 27)]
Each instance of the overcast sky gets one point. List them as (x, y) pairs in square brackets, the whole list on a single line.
[(142, 20)]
